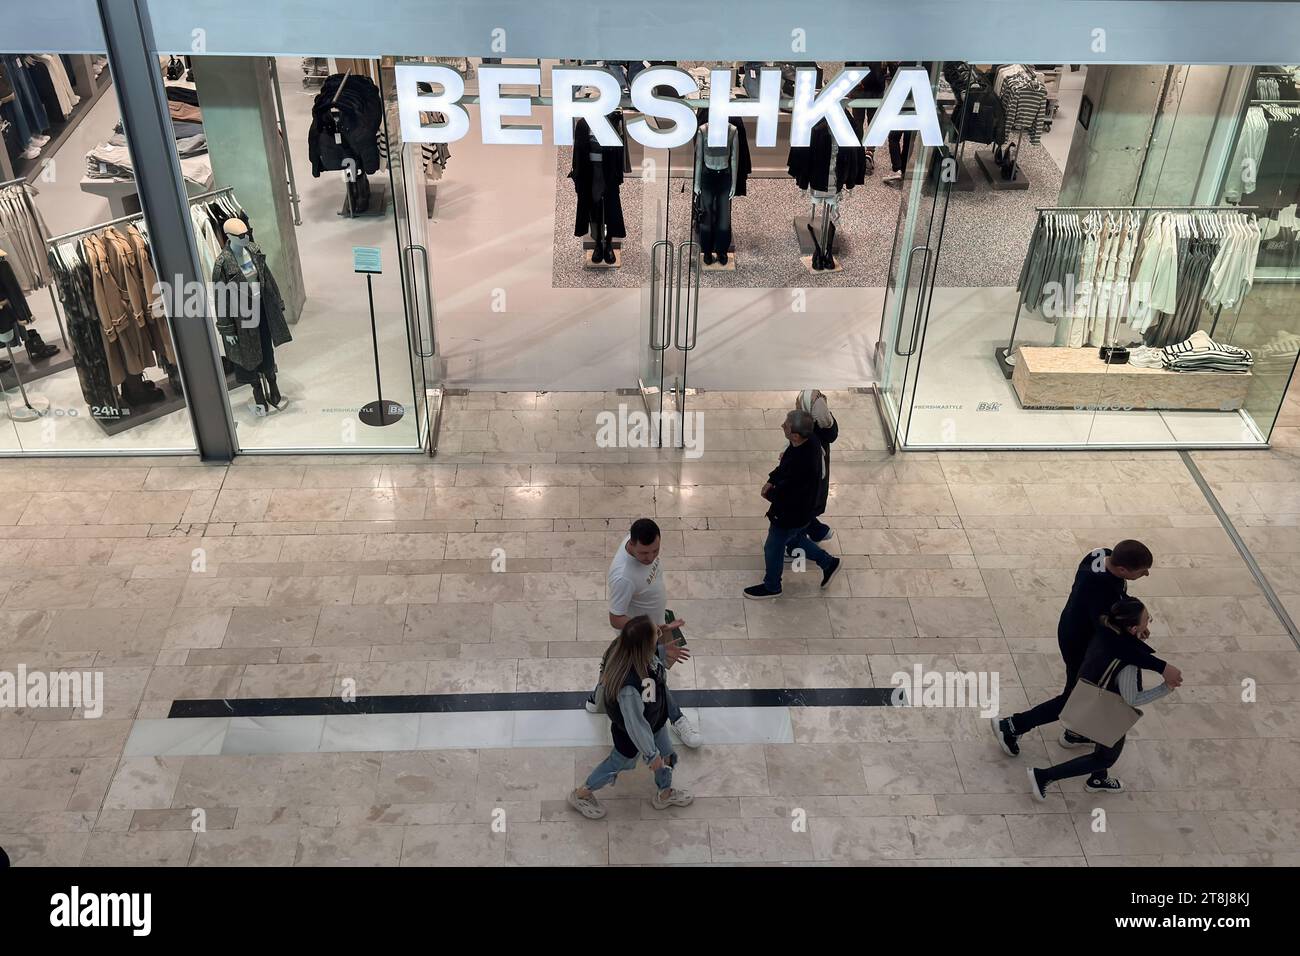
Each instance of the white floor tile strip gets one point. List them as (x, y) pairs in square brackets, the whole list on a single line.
[(206, 736)]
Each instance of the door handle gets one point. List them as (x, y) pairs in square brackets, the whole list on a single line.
[(907, 275), (421, 350), (688, 252), (920, 302), (660, 295)]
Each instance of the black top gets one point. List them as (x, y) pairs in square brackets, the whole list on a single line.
[(1095, 590), (1108, 644), (796, 481), (656, 711)]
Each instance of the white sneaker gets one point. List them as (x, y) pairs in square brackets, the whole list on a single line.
[(892, 178), (677, 797), (687, 732)]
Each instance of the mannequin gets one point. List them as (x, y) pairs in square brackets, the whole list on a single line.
[(716, 173), (597, 174), (250, 314), (824, 169)]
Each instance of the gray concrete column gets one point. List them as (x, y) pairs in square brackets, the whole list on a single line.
[(128, 37)]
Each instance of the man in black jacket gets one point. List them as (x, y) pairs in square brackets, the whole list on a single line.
[(792, 488), (1100, 580)]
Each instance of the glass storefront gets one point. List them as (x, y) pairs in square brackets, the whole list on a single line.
[(1098, 255), (88, 362)]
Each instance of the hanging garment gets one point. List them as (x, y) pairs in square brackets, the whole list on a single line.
[(815, 165), (73, 283), (345, 118), (597, 184), (13, 304), (245, 339), (1276, 184), (22, 235), (1024, 101), (125, 345), (978, 113), (1244, 170)]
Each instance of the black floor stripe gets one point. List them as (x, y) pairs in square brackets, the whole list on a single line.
[(551, 700)]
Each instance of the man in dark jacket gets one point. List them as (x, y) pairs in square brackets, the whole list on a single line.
[(792, 488)]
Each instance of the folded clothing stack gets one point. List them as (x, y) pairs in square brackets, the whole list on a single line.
[(1198, 353)]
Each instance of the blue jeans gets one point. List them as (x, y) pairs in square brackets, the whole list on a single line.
[(778, 540), (817, 530), (616, 763)]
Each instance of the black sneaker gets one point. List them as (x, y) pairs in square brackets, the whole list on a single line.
[(1007, 740), (1036, 787), (760, 592), (1104, 785), (830, 572), (1070, 739)]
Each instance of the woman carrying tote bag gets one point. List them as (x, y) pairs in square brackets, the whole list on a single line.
[(1106, 698)]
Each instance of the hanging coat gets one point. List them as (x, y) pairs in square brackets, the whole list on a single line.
[(746, 167), (240, 334), (612, 161), (810, 165)]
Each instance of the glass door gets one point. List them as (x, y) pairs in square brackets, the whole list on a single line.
[(413, 202), (929, 173), (670, 297)]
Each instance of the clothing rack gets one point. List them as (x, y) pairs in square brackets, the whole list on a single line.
[(78, 233), (1003, 355), (27, 198)]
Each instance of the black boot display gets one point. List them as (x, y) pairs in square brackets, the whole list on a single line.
[(828, 259), (598, 253), (817, 262), (259, 397), (609, 251), (708, 258), (722, 257), (137, 392), (273, 391), (37, 349)]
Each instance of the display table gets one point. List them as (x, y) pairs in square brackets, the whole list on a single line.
[(1077, 378)]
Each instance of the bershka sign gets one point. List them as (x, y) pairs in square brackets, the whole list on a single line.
[(677, 121)]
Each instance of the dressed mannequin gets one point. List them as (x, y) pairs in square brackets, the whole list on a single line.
[(597, 174), (824, 169), (717, 170), (241, 279)]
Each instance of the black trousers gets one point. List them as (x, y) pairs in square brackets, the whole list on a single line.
[(899, 143), (1094, 764), (1072, 651), (715, 210)]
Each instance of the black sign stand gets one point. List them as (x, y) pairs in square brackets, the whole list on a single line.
[(380, 412)]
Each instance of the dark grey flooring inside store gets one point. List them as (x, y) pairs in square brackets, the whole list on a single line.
[(985, 235)]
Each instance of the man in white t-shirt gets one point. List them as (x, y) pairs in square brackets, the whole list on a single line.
[(636, 587)]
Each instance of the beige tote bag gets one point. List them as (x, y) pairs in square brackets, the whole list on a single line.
[(1101, 715)]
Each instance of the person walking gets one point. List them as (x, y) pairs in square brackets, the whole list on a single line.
[(634, 686), (636, 587), (825, 429), (1120, 638), (792, 488), (1100, 580)]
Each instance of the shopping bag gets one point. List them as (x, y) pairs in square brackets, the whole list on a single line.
[(1099, 714)]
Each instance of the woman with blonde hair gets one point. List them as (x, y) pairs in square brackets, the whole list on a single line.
[(634, 685)]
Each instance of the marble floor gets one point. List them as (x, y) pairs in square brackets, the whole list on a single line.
[(301, 576)]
